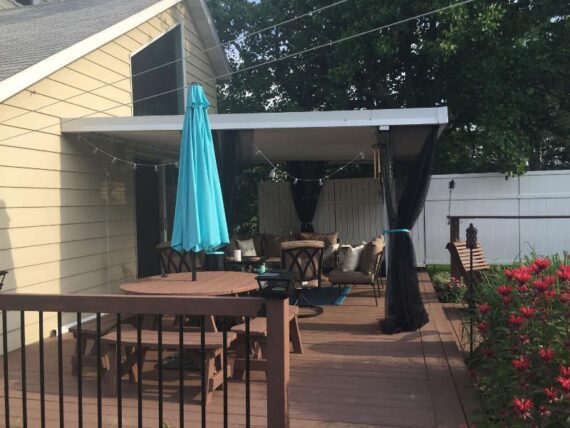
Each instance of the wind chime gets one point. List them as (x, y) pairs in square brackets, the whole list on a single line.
[(377, 161)]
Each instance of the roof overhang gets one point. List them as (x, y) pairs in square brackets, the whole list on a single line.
[(198, 9), (333, 136)]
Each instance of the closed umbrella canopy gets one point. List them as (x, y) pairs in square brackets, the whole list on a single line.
[(199, 218)]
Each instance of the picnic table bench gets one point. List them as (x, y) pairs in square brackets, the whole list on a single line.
[(170, 342)]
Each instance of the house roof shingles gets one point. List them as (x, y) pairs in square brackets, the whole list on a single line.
[(31, 34)]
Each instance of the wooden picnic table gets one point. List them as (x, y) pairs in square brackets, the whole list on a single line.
[(216, 283)]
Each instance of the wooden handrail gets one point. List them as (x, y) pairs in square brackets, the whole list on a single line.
[(144, 305)]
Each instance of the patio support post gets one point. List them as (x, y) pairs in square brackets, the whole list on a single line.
[(278, 362), (453, 237)]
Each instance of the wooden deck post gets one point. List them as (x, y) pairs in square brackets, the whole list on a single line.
[(278, 363)]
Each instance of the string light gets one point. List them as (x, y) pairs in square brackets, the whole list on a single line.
[(296, 180), (115, 159)]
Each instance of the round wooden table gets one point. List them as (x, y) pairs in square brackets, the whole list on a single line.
[(216, 283)]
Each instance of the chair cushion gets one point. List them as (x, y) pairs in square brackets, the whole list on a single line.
[(354, 277), (352, 259), (271, 245), (247, 247), (370, 255)]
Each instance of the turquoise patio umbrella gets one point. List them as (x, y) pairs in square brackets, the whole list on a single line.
[(199, 218)]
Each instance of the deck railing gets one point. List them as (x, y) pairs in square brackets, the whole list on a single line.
[(223, 308)]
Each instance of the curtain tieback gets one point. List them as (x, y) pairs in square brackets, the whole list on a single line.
[(396, 231)]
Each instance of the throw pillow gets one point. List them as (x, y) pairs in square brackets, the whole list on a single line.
[(329, 256), (352, 259), (247, 247), (370, 254), (271, 245)]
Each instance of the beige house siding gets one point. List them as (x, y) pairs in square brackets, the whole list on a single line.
[(6, 4), (67, 216)]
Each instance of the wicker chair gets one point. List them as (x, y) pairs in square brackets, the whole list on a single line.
[(304, 259), (173, 261), (340, 278)]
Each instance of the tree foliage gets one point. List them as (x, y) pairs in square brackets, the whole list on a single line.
[(502, 68)]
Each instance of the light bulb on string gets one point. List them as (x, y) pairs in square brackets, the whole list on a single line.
[(361, 155), (156, 168), (295, 181), (114, 160), (95, 150), (134, 166), (321, 182), (273, 173), (176, 164)]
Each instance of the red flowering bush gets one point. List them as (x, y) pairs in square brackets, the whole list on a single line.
[(522, 363)]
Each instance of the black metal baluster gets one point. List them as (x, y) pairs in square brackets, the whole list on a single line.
[(60, 369), (98, 345), (42, 375), (203, 368), (181, 368), (225, 368), (139, 369), (247, 375), (79, 373), (160, 392), (5, 358), (23, 364), (118, 368)]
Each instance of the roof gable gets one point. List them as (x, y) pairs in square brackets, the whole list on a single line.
[(36, 41)]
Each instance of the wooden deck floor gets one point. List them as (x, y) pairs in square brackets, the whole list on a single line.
[(350, 375)]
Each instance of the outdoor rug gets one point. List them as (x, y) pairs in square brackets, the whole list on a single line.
[(325, 296)]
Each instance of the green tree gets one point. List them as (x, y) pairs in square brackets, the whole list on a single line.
[(502, 68)]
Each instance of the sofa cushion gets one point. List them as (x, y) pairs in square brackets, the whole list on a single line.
[(370, 254), (271, 245), (352, 259), (354, 277)]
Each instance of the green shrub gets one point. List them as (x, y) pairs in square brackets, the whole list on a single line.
[(449, 290)]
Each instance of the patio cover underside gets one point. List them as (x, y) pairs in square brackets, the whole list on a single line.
[(335, 136)]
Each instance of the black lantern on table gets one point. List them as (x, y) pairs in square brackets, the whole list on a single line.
[(3, 274), (275, 284)]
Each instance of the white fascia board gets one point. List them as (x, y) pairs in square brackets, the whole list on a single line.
[(25, 78), (314, 119)]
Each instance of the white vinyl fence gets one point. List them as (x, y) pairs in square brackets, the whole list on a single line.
[(354, 208), (535, 193)]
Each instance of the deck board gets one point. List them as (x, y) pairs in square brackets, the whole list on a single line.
[(350, 376)]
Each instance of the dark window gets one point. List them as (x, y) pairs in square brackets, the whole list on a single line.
[(167, 80), (26, 2)]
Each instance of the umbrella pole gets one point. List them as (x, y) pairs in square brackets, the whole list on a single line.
[(194, 270)]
